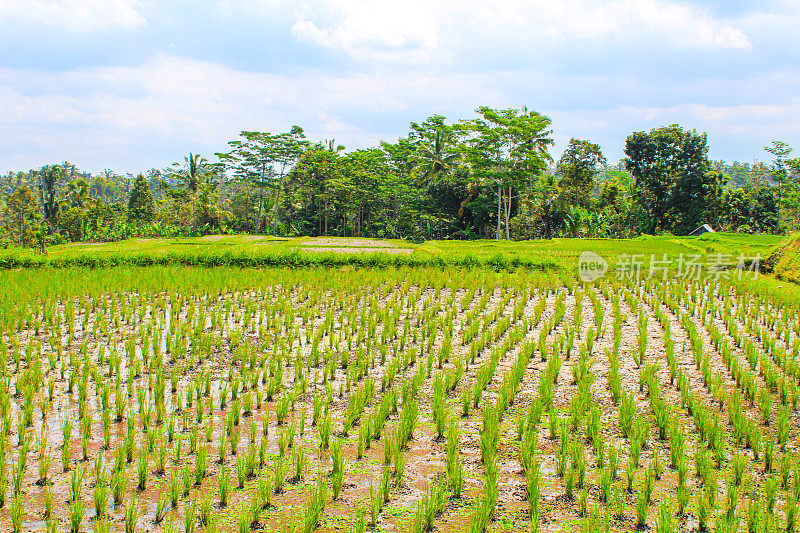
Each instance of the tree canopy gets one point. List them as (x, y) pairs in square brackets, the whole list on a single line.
[(489, 175), (675, 185)]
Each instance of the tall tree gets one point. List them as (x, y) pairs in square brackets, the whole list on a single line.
[(195, 172), (785, 172), (546, 200), (76, 192), (22, 215), (780, 167), (579, 166), (50, 179), (141, 204), (436, 156), (507, 150), (318, 174), (673, 182), (263, 160)]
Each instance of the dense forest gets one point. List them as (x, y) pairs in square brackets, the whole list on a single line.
[(490, 176)]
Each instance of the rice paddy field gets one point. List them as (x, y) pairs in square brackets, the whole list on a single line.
[(409, 398), (266, 251)]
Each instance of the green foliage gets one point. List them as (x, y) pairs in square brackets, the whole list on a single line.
[(579, 166), (674, 183), (77, 510), (22, 216), (141, 204), (642, 507), (431, 505), (16, 515)]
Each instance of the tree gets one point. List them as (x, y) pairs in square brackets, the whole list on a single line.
[(794, 167), (780, 167), (576, 219), (673, 182), (263, 160), (546, 199), (785, 173), (436, 152), (793, 198), (50, 178), (76, 192), (506, 149), (765, 209), (22, 215), (358, 193), (195, 173), (579, 167), (108, 189), (73, 223), (735, 213), (436, 162), (209, 210), (141, 204), (696, 199), (318, 174)]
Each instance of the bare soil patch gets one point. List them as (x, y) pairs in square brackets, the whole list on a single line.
[(357, 250)]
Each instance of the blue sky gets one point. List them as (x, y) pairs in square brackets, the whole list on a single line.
[(135, 84)]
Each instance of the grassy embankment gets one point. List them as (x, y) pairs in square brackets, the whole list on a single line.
[(785, 261), (257, 251)]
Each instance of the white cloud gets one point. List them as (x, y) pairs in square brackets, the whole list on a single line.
[(681, 24), (171, 105), (599, 68), (177, 102), (417, 30), (735, 131), (397, 31), (677, 24), (80, 15)]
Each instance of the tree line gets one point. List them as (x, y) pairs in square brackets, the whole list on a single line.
[(489, 176)]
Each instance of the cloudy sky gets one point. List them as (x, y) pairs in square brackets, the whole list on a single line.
[(135, 84)]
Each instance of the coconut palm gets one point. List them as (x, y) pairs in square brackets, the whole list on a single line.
[(195, 173), (536, 140), (76, 192), (196, 170), (435, 157)]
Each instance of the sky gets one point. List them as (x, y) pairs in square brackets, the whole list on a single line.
[(130, 85)]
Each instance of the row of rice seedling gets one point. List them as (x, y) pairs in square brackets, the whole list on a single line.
[(228, 401), (734, 410)]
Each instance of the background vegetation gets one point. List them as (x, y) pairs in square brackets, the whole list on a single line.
[(488, 176)]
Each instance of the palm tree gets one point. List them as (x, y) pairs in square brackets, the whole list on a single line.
[(435, 157), (196, 170), (49, 178), (77, 191), (195, 173), (540, 141)]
